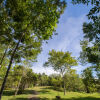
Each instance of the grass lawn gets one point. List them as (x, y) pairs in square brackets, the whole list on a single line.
[(47, 93), (9, 95)]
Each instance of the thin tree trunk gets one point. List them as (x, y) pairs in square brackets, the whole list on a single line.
[(3, 57), (9, 66), (64, 87), (62, 74), (19, 83), (18, 86)]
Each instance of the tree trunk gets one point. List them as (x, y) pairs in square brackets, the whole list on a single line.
[(16, 92), (87, 89), (64, 88), (9, 66), (3, 57), (63, 82)]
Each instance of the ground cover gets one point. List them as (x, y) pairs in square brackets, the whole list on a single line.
[(47, 93)]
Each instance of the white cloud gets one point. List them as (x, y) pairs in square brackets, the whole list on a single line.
[(41, 69)]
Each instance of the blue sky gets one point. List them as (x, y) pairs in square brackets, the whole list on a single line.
[(69, 35)]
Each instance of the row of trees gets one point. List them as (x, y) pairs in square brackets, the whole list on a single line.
[(21, 77)]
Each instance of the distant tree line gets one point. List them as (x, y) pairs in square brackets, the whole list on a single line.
[(21, 77)]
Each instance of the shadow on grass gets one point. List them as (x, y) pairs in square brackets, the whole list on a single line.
[(12, 92), (30, 92), (43, 91), (19, 99), (8, 93), (47, 89), (81, 98)]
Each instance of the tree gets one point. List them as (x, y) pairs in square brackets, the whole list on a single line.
[(91, 30), (28, 20), (90, 54), (43, 79), (18, 73), (73, 81), (56, 81), (61, 61), (89, 80), (27, 79)]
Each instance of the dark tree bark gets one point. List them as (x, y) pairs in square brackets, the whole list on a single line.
[(9, 66), (87, 89)]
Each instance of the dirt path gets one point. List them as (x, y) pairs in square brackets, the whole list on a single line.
[(34, 96)]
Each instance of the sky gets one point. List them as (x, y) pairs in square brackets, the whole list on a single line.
[(70, 33)]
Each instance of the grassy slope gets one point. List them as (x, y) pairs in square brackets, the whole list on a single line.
[(46, 93), (49, 93)]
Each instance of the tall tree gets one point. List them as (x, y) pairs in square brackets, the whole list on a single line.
[(91, 42), (89, 80), (28, 21), (61, 61)]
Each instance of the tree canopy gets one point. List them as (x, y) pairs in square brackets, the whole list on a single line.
[(91, 30), (25, 24), (60, 61)]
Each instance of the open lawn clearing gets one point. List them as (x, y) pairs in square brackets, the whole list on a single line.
[(47, 93)]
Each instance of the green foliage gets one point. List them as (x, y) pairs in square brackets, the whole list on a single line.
[(89, 81), (56, 81), (30, 16), (35, 19), (24, 25), (3, 60), (60, 61), (91, 30), (73, 81), (2, 74), (94, 11), (27, 80), (43, 80)]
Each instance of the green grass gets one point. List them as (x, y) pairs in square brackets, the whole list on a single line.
[(50, 94), (47, 93), (9, 95)]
